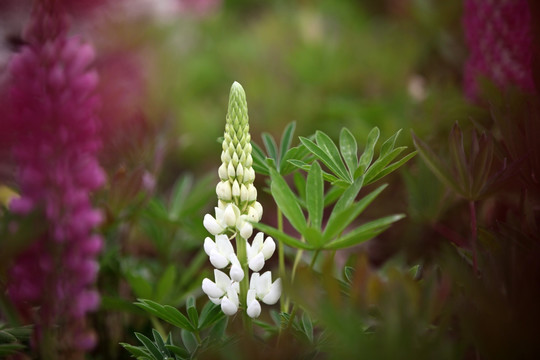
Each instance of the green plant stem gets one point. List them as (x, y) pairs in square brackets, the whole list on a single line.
[(241, 248), (283, 301)]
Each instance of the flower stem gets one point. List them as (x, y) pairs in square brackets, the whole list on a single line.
[(281, 253), (241, 246)]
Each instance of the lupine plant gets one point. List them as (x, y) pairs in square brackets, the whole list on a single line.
[(238, 213)]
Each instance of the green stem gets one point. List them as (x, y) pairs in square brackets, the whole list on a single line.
[(241, 248), (281, 253)]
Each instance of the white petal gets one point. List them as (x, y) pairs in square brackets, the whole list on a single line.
[(251, 295), (230, 170), (253, 281), (211, 289), (218, 260), (209, 245), (257, 205), (253, 214), (212, 225), (224, 246), (258, 241), (223, 190), (222, 280), (252, 193), (254, 309), (262, 286), (273, 295), (237, 274), (268, 248), (228, 307), (222, 172), (235, 189), (240, 171), (244, 194), (257, 262), (249, 161), (228, 216), (216, 301), (246, 230)]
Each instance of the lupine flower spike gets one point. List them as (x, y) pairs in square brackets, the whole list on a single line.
[(236, 211)]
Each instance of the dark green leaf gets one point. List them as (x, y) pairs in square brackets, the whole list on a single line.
[(259, 159), (459, 160), (150, 346), (381, 163), (367, 156), (137, 351), (286, 139), (180, 192), (192, 311), (304, 166), (296, 153), (315, 195), (167, 313), (313, 237), (339, 220), (363, 233), (178, 351), (270, 145), (217, 332), (158, 340), (349, 273), (349, 150), (286, 201)]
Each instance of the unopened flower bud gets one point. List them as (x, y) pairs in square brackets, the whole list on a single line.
[(244, 193), (229, 217), (223, 190), (235, 189), (252, 193), (230, 171), (222, 172)]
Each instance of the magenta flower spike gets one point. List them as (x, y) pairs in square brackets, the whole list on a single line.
[(53, 116), (499, 37)]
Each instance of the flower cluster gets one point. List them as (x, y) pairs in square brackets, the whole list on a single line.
[(53, 107), (237, 209)]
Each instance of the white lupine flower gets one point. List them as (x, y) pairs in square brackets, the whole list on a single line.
[(216, 290), (219, 251), (266, 290), (236, 212), (260, 251)]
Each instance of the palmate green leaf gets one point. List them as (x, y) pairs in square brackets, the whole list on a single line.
[(313, 237), (270, 145), (217, 333), (363, 233), (367, 156), (325, 158), (328, 146), (286, 201), (307, 326), (381, 163), (389, 144), (341, 218), (281, 236), (300, 185), (315, 195), (435, 164), (150, 346), (349, 149), (305, 166), (391, 168), (210, 314), (166, 313), (332, 195), (138, 351)]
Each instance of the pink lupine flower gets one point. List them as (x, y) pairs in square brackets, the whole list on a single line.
[(499, 36), (53, 106)]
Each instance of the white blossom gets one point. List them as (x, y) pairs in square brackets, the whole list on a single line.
[(260, 251), (223, 291)]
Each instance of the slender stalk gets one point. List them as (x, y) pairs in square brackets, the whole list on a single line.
[(241, 247), (472, 210), (281, 253)]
